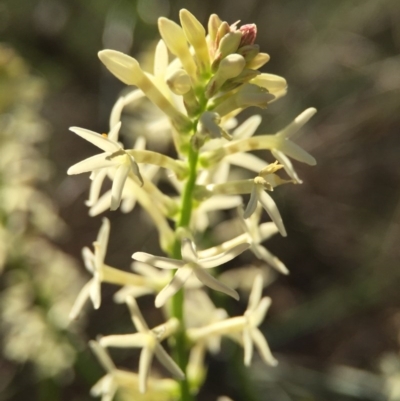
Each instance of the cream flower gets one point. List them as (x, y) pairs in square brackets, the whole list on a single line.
[(114, 156), (94, 263), (127, 382), (247, 325), (149, 341), (189, 264)]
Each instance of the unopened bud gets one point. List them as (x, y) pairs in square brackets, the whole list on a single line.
[(273, 83), (249, 52), (258, 61), (179, 82), (230, 67), (228, 45), (249, 33)]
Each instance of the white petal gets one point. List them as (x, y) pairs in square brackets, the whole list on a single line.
[(297, 123), (102, 204), (247, 128), (135, 170), (270, 207), (221, 173), (145, 270), (220, 202), (188, 250), (128, 204), (260, 311), (223, 257), (248, 347), (81, 299), (252, 205), (214, 284), (102, 356), (96, 139), (263, 347), (263, 254), (95, 186), (118, 185), (136, 315), (256, 293), (287, 164), (95, 292), (92, 163), (88, 259), (130, 291), (146, 356), (140, 143), (136, 340), (267, 230), (296, 152), (158, 261), (102, 237), (174, 286), (168, 362), (247, 161)]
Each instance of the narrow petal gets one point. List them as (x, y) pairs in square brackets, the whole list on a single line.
[(297, 123), (88, 259), (102, 204), (188, 250), (102, 356), (270, 207), (221, 202), (95, 292), (168, 362), (247, 161), (252, 205), (267, 230), (128, 204), (96, 139), (135, 170), (248, 347), (92, 163), (118, 185), (263, 254), (102, 237), (136, 340), (223, 257), (136, 315), (158, 261), (287, 165), (296, 152), (214, 284), (146, 356), (130, 291), (174, 286), (247, 128), (260, 311), (95, 186), (81, 299), (256, 293), (263, 347)]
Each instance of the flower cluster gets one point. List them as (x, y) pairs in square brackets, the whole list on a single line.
[(213, 76)]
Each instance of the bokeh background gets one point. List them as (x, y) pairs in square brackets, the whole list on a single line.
[(335, 320)]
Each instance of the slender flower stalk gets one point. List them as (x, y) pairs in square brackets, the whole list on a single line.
[(213, 77)]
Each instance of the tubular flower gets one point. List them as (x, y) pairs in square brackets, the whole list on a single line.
[(94, 263), (247, 325), (114, 156), (149, 341), (189, 264)]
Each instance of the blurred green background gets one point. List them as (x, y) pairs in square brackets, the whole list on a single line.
[(335, 320)]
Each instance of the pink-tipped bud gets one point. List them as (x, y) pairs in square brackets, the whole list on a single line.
[(249, 33)]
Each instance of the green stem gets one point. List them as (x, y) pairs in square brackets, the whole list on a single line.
[(181, 353)]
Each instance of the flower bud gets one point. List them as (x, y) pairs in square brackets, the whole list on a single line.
[(273, 83), (249, 52), (196, 36), (230, 67), (179, 82), (228, 45), (249, 33), (258, 61)]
